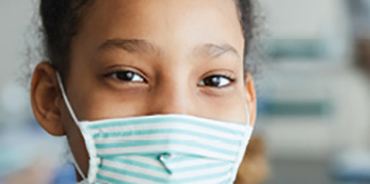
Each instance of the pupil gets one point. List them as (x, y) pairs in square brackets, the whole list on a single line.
[(213, 81), (127, 76)]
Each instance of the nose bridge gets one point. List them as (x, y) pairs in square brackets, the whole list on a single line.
[(171, 95)]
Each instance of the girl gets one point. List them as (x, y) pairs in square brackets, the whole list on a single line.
[(148, 91)]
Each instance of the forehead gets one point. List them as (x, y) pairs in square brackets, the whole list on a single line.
[(163, 21)]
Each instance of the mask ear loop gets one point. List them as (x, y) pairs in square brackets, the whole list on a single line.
[(69, 107), (65, 98), (79, 170), (246, 139), (248, 115)]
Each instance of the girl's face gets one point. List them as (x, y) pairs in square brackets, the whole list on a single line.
[(137, 58)]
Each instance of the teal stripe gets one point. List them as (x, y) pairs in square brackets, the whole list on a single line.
[(198, 167), (136, 163), (157, 179), (226, 181), (148, 153), (169, 161), (167, 120), (182, 158), (185, 158), (132, 174), (163, 131), (111, 180), (204, 177), (163, 142)]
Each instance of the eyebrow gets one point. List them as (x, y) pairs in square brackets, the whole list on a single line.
[(139, 46), (130, 45), (214, 51)]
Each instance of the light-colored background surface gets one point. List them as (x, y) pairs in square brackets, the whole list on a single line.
[(314, 110)]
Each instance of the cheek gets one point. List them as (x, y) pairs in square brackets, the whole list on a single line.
[(231, 107), (75, 141), (106, 104), (232, 110)]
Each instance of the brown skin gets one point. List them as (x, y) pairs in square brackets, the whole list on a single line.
[(171, 45)]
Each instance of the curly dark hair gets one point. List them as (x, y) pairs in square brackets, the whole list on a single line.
[(60, 20)]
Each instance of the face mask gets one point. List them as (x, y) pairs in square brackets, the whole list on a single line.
[(162, 149)]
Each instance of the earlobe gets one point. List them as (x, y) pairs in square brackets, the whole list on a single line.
[(251, 98), (45, 99)]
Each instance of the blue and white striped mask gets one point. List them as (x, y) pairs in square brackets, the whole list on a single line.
[(162, 149)]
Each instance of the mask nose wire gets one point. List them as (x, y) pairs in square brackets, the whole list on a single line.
[(73, 115)]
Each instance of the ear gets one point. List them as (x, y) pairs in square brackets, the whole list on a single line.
[(251, 98), (45, 99)]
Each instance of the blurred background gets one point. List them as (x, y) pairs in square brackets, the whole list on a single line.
[(313, 95)]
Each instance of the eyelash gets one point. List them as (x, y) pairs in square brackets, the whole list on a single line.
[(202, 83), (126, 72)]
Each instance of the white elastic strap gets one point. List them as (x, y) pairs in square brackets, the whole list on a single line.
[(66, 101), (70, 109), (244, 145), (247, 112), (79, 170)]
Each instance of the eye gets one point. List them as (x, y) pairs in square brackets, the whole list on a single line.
[(216, 81), (127, 76)]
